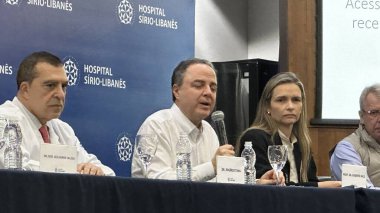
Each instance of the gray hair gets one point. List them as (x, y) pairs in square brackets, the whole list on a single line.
[(374, 89)]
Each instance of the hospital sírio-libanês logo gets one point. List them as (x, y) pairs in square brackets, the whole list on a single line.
[(124, 147), (13, 2), (125, 12), (72, 70)]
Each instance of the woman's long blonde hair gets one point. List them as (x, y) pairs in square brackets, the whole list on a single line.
[(265, 122)]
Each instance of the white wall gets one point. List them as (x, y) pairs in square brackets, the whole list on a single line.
[(236, 29), (221, 29), (263, 29)]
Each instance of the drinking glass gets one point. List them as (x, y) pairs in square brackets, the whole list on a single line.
[(277, 155), (146, 146)]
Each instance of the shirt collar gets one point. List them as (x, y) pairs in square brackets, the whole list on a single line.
[(26, 112), (185, 124), (286, 140)]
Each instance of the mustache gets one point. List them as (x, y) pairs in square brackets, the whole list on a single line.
[(57, 103)]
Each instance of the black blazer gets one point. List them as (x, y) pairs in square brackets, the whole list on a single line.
[(260, 142)]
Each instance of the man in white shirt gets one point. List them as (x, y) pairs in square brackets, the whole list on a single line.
[(42, 82), (194, 87)]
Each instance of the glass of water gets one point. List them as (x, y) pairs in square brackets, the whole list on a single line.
[(277, 155)]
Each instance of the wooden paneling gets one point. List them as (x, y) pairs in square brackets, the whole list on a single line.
[(298, 54), (324, 139)]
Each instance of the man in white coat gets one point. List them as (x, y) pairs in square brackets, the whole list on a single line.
[(42, 83)]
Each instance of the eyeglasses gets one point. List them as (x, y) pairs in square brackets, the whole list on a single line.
[(372, 113)]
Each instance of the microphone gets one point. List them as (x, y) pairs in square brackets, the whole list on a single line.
[(217, 117)]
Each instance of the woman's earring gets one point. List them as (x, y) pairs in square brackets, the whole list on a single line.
[(268, 113)]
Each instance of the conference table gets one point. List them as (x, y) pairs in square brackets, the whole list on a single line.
[(39, 192)]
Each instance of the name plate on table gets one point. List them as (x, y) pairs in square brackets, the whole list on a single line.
[(230, 169), (58, 158), (353, 175)]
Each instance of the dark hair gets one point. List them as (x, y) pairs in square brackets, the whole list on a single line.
[(180, 69), (27, 71)]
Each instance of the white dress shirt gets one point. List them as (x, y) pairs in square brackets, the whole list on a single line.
[(59, 132), (167, 125)]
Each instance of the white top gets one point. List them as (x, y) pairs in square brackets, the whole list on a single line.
[(167, 124), (59, 133), (289, 143)]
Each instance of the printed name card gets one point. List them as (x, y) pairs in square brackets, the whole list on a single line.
[(353, 175), (58, 158), (230, 169)]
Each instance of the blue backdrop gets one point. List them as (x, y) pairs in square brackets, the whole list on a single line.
[(118, 54)]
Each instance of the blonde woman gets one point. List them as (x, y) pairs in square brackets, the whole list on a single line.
[(281, 120)]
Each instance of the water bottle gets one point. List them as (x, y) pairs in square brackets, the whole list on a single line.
[(12, 153), (249, 156), (183, 166)]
